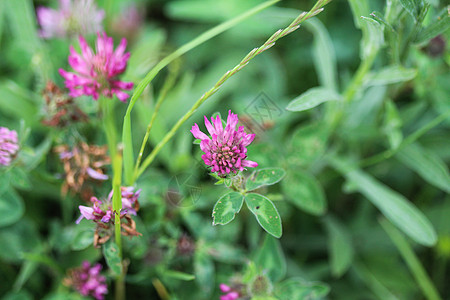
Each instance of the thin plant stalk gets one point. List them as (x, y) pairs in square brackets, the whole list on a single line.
[(317, 8), (414, 265), (126, 130), (168, 84), (117, 207), (409, 140), (106, 106)]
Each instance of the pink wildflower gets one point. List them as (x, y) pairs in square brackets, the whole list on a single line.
[(102, 214), (72, 18), (230, 293), (101, 211), (226, 150), (8, 145), (88, 281), (129, 199), (96, 73)]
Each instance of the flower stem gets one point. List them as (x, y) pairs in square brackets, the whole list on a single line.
[(106, 106), (126, 130), (409, 140), (252, 54), (414, 265), (168, 84)]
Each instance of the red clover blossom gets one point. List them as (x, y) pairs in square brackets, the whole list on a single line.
[(96, 73), (102, 214), (226, 150), (88, 281), (72, 18), (8, 145), (230, 294)]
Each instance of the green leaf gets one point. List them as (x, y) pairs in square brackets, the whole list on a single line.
[(433, 30), (21, 237), (265, 212), (5, 178), (227, 207), (267, 176), (19, 295), (305, 192), (11, 207), (323, 54), (204, 272), (42, 259), (389, 75), (379, 17), (19, 178), (17, 103), (308, 143), (410, 7), (413, 262), (312, 98), (226, 253), (171, 274), (270, 258), (26, 271), (34, 157), (112, 257), (340, 247), (83, 237), (392, 125), (297, 288), (373, 36), (393, 205), (425, 163), (22, 21)]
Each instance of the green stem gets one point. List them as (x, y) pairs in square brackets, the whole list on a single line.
[(358, 79), (109, 127), (117, 207), (168, 84), (411, 260), (107, 109), (336, 113), (409, 140), (126, 131), (256, 51)]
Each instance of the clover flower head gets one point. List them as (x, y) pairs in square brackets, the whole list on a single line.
[(83, 165), (73, 17), (226, 149), (230, 294), (129, 199), (103, 215), (88, 281), (96, 73), (8, 145)]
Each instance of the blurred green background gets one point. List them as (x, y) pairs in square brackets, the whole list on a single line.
[(338, 205)]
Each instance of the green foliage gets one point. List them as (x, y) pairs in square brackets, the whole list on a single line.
[(263, 177), (227, 207), (265, 212), (312, 98), (350, 113)]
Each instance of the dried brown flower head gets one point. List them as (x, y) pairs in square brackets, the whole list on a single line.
[(83, 164), (60, 109)]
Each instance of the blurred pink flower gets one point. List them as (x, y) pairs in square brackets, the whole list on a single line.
[(73, 18), (230, 294), (96, 73), (226, 150), (8, 145), (88, 281)]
